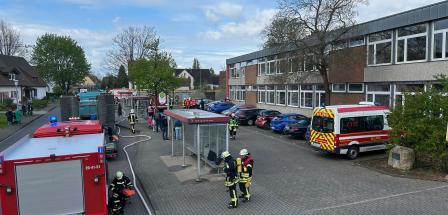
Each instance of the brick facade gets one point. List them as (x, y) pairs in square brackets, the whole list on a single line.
[(347, 65), (346, 98), (251, 98), (251, 75)]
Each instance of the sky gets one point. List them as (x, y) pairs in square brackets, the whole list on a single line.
[(209, 30)]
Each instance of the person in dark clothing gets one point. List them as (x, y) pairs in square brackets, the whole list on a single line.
[(30, 108), (24, 108), (118, 200), (119, 110), (158, 121), (231, 178), (202, 104), (164, 127), (9, 116)]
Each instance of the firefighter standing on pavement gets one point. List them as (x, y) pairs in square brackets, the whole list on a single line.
[(118, 200), (231, 178), (233, 125), (132, 118), (245, 173)]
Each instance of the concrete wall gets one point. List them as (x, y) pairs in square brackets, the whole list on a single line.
[(406, 72), (10, 89)]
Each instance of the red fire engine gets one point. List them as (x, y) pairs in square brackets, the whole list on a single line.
[(60, 170)]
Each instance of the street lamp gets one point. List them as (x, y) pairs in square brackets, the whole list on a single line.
[(16, 83)]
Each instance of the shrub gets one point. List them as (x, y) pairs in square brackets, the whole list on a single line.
[(3, 122), (421, 124), (40, 104), (6, 104)]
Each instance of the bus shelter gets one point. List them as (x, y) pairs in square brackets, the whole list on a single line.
[(203, 134)]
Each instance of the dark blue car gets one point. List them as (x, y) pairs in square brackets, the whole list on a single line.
[(220, 106), (279, 123), (299, 129)]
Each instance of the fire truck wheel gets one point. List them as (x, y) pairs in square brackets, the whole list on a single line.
[(353, 152)]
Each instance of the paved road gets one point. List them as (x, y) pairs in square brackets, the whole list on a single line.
[(290, 178)]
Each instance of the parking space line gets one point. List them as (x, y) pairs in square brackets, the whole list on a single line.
[(374, 199)]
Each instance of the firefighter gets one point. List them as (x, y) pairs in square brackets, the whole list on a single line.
[(132, 118), (184, 103), (118, 200), (245, 174), (231, 178), (233, 125)]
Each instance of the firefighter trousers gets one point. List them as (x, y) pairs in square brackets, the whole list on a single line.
[(233, 196), (245, 190)]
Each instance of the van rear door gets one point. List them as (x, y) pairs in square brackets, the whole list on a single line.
[(322, 129)]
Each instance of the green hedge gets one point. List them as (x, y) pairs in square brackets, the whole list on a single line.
[(40, 104), (3, 122)]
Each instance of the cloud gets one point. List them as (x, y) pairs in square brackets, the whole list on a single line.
[(116, 19), (211, 35), (101, 3), (183, 18), (213, 12)]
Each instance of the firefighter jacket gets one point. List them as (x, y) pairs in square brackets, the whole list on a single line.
[(233, 123), (118, 185), (231, 172), (132, 118), (247, 169)]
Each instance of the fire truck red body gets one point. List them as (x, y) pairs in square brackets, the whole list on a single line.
[(60, 170)]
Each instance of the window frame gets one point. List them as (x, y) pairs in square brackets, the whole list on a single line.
[(444, 33), (303, 96), (277, 95), (259, 65), (12, 76), (375, 43), (268, 94), (352, 91), (405, 51), (261, 90), (338, 91), (374, 93), (289, 91)]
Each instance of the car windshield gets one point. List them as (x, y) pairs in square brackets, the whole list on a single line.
[(323, 124)]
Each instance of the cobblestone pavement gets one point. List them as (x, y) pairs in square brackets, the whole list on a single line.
[(290, 178)]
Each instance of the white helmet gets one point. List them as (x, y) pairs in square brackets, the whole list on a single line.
[(225, 154), (119, 175), (132, 111), (244, 152), (232, 114)]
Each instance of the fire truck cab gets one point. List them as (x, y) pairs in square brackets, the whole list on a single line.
[(59, 170), (349, 129)]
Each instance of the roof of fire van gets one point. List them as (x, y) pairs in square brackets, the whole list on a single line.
[(28, 147), (354, 108)]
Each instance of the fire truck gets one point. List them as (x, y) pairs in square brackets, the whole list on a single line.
[(60, 169)]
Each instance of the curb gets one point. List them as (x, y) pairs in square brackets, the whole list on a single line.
[(26, 124)]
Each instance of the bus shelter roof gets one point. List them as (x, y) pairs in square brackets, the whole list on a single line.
[(195, 116)]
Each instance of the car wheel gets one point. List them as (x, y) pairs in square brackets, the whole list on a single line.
[(267, 125), (250, 122), (353, 152)]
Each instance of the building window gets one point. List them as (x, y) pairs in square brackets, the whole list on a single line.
[(281, 95), (341, 44), (270, 95), (357, 41), (440, 39), (380, 48), (13, 94), (411, 43), (261, 67), (12, 76), (242, 69), (271, 67), (295, 64), (401, 89), (338, 88), (306, 96), (379, 94), (320, 96), (309, 63), (356, 88), (282, 66), (293, 95), (261, 94)]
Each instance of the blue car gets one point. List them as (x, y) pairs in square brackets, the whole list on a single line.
[(285, 120), (220, 107)]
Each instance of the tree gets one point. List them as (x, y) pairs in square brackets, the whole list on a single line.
[(109, 82), (311, 26), (196, 64), (421, 123), (10, 41), (155, 74), (122, 78), (132, 43), (60, 60)]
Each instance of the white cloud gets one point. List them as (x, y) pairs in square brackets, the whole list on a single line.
[(210, 35), (116, 19), (212, 12)]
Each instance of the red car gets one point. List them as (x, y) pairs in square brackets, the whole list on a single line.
[(264, 118)]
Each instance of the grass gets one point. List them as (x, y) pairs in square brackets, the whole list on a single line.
[(3, 122)]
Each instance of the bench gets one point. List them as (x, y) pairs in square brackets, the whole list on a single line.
[(207, 160)]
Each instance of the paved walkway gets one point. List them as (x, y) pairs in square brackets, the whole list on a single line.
[(290, 178)]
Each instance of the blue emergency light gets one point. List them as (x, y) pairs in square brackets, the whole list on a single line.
[(53, 120), (101, 149)]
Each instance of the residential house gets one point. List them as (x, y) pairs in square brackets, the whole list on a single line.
[(196, 79), (18, 80)]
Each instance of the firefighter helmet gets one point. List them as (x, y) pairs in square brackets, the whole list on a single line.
[(225, 154), (132, 111), (232, 115), (119, 175), (244, 152)]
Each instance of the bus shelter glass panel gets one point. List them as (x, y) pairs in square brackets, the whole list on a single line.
[(213, 142)]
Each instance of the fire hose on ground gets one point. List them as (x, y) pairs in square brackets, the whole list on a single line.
[(147, 138)]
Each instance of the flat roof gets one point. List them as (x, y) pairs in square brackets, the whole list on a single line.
[(43, 147), (196, 116)]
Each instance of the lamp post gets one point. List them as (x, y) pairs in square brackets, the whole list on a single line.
[(66, 88), (16, 83)]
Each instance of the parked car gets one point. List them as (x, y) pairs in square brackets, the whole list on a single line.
[(209, 105), (220, 107), (279, 122), (299, 129), (264, 118), (198, 103), (247, 116), (235, 108)]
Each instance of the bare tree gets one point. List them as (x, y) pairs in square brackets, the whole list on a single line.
[(131, 44), (10, 41), (310, 27)]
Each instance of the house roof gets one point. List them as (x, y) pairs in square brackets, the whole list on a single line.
[(201, 74), (24, 72)]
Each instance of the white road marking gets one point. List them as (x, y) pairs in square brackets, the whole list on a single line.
[(374, 199)]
